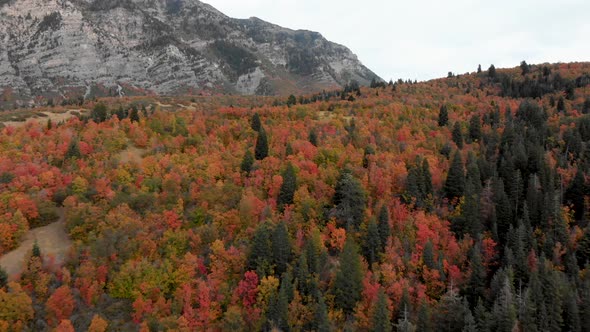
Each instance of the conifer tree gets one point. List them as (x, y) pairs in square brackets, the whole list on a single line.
[(381, 315), (255, 123), (458, 135), (260, 256), (288, 187), (443, 116), (347, 285), (261, 149), (313, 137), (321, 321), (247, 162), (455, 183), (369, 151), (350, 202), (383, 226), (281, 248), (475, 128), (372, 243)]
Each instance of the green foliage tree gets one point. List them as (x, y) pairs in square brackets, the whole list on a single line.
[(261, 148), (73, 150), (313, 137), (475, 128), (281, 248), (457, 135), (134, 114), (291, 100), (288, 187), (369, 151), (260, 257), (372, 242), (455, 184), (349, 202), (99, 113), (3, 278), (247, 162), (443, 116), (255, 122), (347, 285), (381, 314), (492, 72), (383, 226)]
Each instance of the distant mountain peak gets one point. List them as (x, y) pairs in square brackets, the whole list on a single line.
[(66, 49)]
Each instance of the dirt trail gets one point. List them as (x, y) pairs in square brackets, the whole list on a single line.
[(53, 242), (54, 117)]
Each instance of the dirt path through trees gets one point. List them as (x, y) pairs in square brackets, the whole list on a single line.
[(53, 242)]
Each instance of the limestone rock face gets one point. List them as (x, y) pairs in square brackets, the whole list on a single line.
[(68, 49)]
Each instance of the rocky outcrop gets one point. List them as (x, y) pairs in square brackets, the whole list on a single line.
[(69, 48)]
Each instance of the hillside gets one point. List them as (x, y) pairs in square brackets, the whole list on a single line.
[(458, 204), (59, 50)]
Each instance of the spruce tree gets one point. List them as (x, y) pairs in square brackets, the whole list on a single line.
[(475, 128), (281, 248), (372, 243), (424, 322), (455, 183), (381, 315), (504, 311), (260, 255), (369, 151), (347, 285), (73, 150), (443, 116), (457, 135), (321, 321), (383, 226), (349, 201), (288, 188), (255, 123), (247, 162), (313, 137), (99, 113), (261, 148)]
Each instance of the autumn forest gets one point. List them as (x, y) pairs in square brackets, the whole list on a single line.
[(457, 204)]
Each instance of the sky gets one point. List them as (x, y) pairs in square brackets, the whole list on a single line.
[(425, 39)]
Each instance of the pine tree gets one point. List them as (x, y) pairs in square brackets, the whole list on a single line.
[(457, 135), (73, 150), (372, 243), (575, 194), (278, 312), (381, 315), (321, 321), (255, 123), (476, 285), (349, 201), (504, 311), (261, 148), (383, 227), (443, 116), (469, 322), (247, 162), (3, 278), (369, 151), (347, 285), (455, 183), (281, 248), (492, 72), (36, 250), (288, 187), (260, 256), (479, 69), (313, 137), (99, 113), (475, 128), (424, 323)]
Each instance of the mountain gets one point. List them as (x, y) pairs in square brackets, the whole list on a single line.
[(69, 48)]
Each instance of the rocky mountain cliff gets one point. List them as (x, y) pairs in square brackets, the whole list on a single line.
[(65, 49)]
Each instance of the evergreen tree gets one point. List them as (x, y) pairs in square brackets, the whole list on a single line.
[(134, 114), (288, 150), (260, 256), (247, 162), (313, 137), (36, 249), (458, 135), (443, 116), (255, 123), (424, 323), (291, 101), (450, 314), (288, 187), (281, 248), (73, 150), (492, 72), (99, 113), (372, 243), (321, 321), (469, 323), (428, 255), (455, 183), (349, 201), (479, 69), (475, 128), (369, 151), (347, 285), (575, 194), (3, 278), (383, 226), (261, 148), (476, 285), (504, 311), (381, 315), (278, 312)]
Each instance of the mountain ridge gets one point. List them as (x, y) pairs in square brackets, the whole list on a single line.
[(60, 49)]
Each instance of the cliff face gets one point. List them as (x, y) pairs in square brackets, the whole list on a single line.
[(66, 49)]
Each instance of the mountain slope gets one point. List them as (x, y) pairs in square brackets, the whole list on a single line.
[(63, 49)]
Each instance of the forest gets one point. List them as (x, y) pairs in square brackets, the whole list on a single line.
[(457, 204)]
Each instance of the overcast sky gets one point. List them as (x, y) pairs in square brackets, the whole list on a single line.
[(424, 39)]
